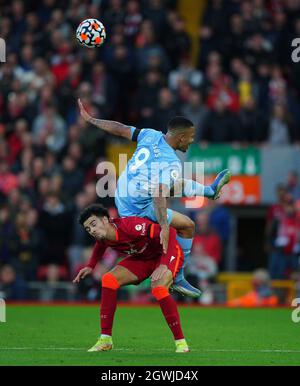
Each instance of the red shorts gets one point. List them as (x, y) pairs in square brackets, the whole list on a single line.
[(143, 268)]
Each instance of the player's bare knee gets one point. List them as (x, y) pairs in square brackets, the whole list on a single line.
[(160, 283), (122, 275), (165, 281)]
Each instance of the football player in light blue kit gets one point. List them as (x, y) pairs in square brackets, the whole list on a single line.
[(154, 173)]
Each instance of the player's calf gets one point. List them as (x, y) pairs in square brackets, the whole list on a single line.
[(170, 312), (111, 282), (185, 227)]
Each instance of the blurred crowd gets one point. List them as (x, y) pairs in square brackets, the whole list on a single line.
[(244, 88), (283, 231)]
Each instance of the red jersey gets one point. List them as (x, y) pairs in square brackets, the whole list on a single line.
[(135, 236), (211, 245), (275, 212), (288, 233)]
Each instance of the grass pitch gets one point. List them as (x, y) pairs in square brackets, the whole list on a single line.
[(60, 335)]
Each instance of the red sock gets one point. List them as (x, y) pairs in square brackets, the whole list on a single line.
[(108, 308), (108, 303), (169, 309)]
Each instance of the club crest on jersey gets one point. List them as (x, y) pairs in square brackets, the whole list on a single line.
[(141, 227)]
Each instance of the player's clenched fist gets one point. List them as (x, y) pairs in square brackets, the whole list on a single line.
[(82, 274)]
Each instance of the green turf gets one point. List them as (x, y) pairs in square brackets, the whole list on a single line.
[(60, 335)]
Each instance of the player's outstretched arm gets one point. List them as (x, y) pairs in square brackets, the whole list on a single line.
[(110, 127), (160, 205), (82, 274)]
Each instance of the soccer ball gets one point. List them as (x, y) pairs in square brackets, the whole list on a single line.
[(91, 33)]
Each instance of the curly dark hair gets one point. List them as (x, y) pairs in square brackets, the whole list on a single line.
[(92, 210)]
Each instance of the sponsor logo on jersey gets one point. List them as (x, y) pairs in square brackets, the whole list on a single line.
[(133, 251), (141, 227)]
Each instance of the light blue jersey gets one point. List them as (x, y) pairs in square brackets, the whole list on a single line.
[(153, 162)]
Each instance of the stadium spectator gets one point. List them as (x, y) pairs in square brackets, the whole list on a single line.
[(114, 14), (104, 88), (257, 50), (205, 256), (154, 10), (293, 185), (132, 20), (122, 82), (213, 19), (254, 126), (261, 295), (49, 129), (67, 91), (51, 275), (147, 97), (221, 125), (285, 243), (15, 139), (202, 271), (222, 91), (281, 131), (166, 109), (72, 178), (12, 287), (276, 210), (148, 49), (24, 244), (6, 230), (79, 239), (195, 110), (234, 41), (8, 180), (177, 41), (219, 221), (208, 238), (185, 71), (55, 226)]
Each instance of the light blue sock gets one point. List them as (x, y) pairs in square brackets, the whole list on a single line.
[(193, 188), (186, 245), (208, 191)]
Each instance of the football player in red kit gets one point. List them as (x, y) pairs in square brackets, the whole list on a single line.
[(138, 240)]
